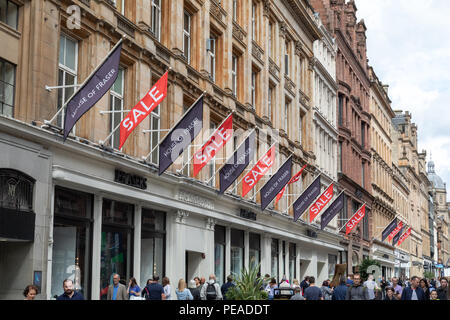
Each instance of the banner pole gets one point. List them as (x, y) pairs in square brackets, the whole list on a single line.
[(386, 226), (47, 122), (287, 211), (102, 142), (240, 145), (179, 120), (254, 196), (208, 139), (351, 218)]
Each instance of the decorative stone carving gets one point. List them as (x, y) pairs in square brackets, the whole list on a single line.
[(298, 48), (289, 85), (239, 33), (215, 11), (257, 52), (273, 69), (266, 8), (210, 223), (283, 30), (181, 216)]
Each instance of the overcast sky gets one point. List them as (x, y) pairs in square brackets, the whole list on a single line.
[(409, 49)]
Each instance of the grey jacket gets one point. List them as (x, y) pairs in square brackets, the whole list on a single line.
[(357, 293), (121, 292)]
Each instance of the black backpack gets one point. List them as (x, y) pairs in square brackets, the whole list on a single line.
[(211, 292)]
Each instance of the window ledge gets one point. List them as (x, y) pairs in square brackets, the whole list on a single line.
[(10, 30)]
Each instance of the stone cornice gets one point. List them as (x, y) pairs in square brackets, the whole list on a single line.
[(304, 19)]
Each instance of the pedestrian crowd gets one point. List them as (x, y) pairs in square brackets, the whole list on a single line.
[(350, 288)]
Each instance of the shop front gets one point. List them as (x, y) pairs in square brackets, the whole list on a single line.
[(385, 256), (402, 264)]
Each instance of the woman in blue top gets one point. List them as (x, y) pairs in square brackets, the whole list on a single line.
[(133, 289), (182, 292)]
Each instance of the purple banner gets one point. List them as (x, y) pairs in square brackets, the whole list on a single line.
[(276, 183), (388, 230), (307, 197), (397, 236), (332, 211), (181, 136), (92, 91), (237, 163)]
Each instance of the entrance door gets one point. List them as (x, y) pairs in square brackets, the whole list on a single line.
[(192, 269)]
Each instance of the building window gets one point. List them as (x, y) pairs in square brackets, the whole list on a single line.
[(120, 5), (253, 21), (366, 226), (254, 250), (212, 57), (7, 88), (237, 251), (269, 103), (274, 259), (332, 261), (253, 89), (16, 190), (9, 13), (235, 10), (343, 213), (363, 175), (116, 106), (187, 36), (300, 128), (292, 260), (340, 156), (156, 18), (234, 80), (153, 234), (270, 39), (72, 240), (286, 58), (116, 245), (286, 116), (341, 109), (67, 73), (155, 123), (363, 137), (219, 253)]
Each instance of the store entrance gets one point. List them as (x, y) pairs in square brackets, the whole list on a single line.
[(193, 261)]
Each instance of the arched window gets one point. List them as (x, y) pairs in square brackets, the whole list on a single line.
[(16, 190)]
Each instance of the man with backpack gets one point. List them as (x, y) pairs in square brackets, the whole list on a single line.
[(211, 290)]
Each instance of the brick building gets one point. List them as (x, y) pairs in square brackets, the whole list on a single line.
[(353, 114)]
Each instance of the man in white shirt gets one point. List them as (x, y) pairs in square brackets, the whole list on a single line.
[(371, 285)]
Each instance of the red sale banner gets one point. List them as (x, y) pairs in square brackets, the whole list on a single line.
[(396, 230), (293, 180), (143, 108), (258, 171), (357, 217), (404, 236), (321, 203), (219, 139)]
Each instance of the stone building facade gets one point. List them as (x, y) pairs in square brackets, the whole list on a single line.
[(353, 112), (438, 191), (324, 111), (79, 218), (405, 146), (383, 210)]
